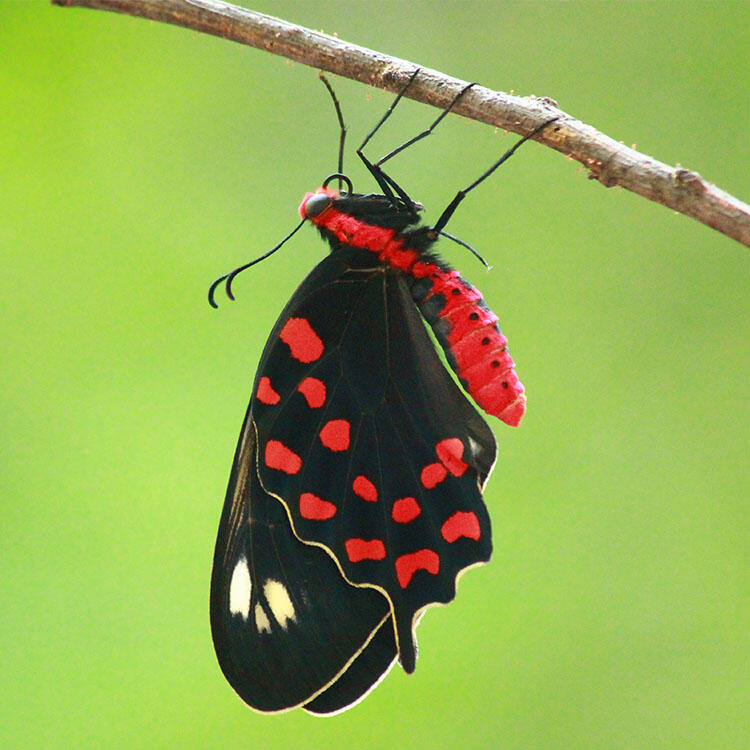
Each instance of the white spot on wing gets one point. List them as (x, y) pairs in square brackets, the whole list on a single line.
[(279, 602), (261, 620), (474, 447), (240, 589)]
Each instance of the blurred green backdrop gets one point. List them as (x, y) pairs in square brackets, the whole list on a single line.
[(140, 161)]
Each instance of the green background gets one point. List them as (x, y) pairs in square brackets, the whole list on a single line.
[(139, 161)]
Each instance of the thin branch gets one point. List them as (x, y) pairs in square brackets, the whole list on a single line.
[(609, 162)]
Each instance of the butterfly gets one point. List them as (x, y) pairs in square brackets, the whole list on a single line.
[(355, 496)]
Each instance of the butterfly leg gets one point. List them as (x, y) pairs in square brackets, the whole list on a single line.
[(384, 182), (453, 205), (429, 130)]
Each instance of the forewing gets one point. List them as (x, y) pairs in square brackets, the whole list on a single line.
[(363, 435)]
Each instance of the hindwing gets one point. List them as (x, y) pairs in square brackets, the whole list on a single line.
[(288, 630)]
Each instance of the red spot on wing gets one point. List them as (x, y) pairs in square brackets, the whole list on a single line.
[(461, 524), (304, 344), (315, 509), (278, 456), (432, 475), (314, 391), (405, 509), (362, 549), (408, 565), (335, 435), (449, 452), (265, 393), (365, 489)]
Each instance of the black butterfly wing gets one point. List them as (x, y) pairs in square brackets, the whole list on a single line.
[(285, 624), (364, 437), (361, 677)]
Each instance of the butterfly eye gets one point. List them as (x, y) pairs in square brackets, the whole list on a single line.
[(316, 204)]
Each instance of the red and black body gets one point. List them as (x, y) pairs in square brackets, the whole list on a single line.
[(355, 498), (360, 465), (463, 324)]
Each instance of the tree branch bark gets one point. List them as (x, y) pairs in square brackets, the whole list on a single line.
[(609, 162)]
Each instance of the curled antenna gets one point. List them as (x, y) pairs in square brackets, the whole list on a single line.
[(341, 178), (228, 278)]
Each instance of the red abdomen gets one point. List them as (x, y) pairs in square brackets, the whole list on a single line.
[(463, 324), (467, 330)]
